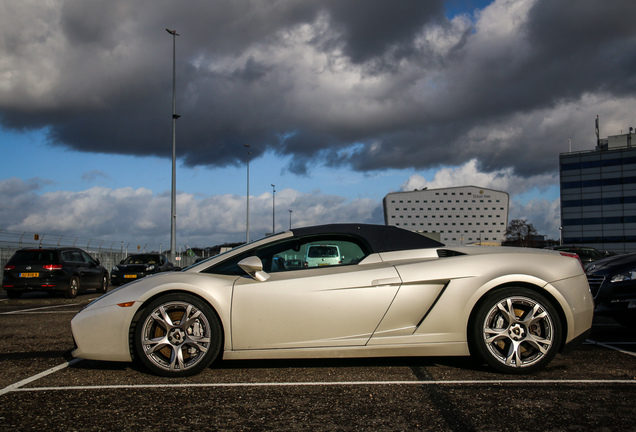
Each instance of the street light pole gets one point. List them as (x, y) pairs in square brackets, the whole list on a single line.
[(247, 223), (290, 212), (173, 197), (273, 209)]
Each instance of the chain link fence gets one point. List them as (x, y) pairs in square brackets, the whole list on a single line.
[(108, 252)]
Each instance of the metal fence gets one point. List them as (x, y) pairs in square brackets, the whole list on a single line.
[(108, 252)]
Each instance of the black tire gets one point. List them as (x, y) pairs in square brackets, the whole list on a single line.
[(14, 294), (515, 330), (73, 288), (170, 347), (104, 285)]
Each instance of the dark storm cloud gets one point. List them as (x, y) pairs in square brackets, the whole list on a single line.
[(366, 84)]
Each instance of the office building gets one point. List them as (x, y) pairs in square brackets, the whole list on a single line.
[(598, 195)]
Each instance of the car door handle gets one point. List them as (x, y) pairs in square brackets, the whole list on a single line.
[(387, 281)]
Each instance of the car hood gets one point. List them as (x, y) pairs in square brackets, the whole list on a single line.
[(613, 263)]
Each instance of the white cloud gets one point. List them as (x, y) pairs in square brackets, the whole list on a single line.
[(469, 174), (140, 216)]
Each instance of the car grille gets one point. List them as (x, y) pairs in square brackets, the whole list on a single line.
[(595, 283)]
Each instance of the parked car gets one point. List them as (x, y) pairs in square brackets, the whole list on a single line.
[(138, 266), (56, 270), (322, 255), (613, 284), (586, 254), (396, 293)]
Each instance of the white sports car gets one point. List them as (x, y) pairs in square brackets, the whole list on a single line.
[(391, 292)]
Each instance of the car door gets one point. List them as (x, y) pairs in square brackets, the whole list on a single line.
[(315, 307), (91, 271)]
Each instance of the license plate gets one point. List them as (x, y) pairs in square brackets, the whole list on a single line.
[(130, 276), (322, 265), (29, 275)]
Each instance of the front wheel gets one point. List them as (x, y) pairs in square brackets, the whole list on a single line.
[(177, 335), (103, 287), (516, 330)]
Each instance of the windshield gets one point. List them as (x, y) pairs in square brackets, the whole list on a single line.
[(142, 259)]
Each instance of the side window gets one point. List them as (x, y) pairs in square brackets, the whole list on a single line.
[(298, 254), (318, 253), (77, 257), (72, 256), (86, 257)]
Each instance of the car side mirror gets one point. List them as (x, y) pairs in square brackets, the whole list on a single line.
[(253, 266)]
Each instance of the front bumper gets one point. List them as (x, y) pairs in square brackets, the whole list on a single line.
[(120, 278), (102, 333)]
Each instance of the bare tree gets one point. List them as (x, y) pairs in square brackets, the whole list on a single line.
[(520, 232)]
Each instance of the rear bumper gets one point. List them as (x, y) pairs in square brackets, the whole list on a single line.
[(50, 284)]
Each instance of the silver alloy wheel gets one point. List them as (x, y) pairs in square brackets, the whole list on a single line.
[(175, 336), (518, 331), (104, 285), (73, 288)]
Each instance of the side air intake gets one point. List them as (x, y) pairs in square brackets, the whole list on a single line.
[(446, 253)]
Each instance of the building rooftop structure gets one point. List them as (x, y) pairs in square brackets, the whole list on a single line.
[(453, 216)]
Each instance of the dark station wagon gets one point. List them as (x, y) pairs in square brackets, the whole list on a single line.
[(56, 270)]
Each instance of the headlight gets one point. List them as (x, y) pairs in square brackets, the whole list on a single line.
[(150, 268), (626, 276), (115, 268)]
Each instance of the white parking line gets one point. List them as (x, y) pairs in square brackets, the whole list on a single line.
[(610, 345), (325, 384), (16, 386), (19, 311)]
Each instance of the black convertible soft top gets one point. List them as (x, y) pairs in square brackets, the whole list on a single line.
[(380, 238)]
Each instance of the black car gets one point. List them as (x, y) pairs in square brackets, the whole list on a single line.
[(61, 270), (613, 284), (138, 266)]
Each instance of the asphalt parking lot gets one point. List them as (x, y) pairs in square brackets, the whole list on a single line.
[(43, 388)]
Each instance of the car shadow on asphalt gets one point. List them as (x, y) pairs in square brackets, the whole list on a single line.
[(453, 362)]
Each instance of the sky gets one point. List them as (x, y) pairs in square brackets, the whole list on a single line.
[(340, 103)]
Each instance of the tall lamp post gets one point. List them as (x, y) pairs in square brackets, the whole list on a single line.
[(273, 209), (247, 223), (173, 200), (290, 212)]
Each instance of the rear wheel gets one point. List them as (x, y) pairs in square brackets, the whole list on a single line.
[(14, 294), (516, 330), (73, 288), (177, 335)]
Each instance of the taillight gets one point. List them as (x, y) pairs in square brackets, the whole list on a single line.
[(573, 255), (9, 267), (52, 267)]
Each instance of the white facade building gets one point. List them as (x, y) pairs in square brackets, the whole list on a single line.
[(455, 216)]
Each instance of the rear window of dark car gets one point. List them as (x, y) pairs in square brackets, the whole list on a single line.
[(73, 256), (322, 252), (34, 256)]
